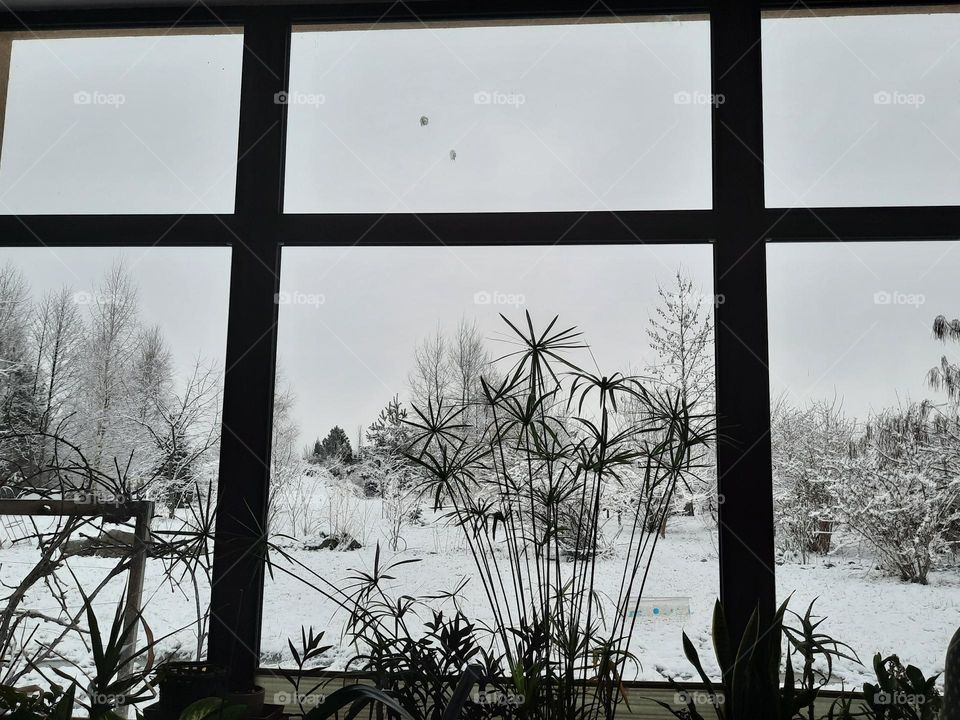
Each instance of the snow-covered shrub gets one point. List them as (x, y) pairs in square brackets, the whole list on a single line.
[(809, 444), (580, 534), (296, 504), (346, 511), (385, 458), (899, 489)]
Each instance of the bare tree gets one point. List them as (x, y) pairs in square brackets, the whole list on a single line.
[(286, 462), (58, 336), (184, 429), (681, 336), (19, 409), (112, 342), (467, 357), (14, 303), (431, 381)]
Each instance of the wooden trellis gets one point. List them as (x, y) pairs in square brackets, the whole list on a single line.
[(140, 511)]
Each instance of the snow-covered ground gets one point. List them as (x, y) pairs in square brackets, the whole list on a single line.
[(870, 611)]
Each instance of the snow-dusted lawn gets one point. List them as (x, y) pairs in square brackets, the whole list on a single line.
[(866, 609), (870, 611), (688, 569)]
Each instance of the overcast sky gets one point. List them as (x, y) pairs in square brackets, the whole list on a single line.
[(857, 110), (361, 311)]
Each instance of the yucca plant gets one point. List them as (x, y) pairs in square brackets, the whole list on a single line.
[(557, 440)]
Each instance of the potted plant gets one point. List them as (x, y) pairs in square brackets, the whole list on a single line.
[(183, 683)]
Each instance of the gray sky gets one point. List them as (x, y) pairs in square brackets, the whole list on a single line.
[(347, 337), (613, 116), (562, 117), (853, 320), (862, 110), (122, 124)]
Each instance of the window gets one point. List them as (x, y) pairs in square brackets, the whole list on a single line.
[(370, 339), (859, 110), (445, 163), (864, 442), (575, 116), (112, 365), (144, 122)]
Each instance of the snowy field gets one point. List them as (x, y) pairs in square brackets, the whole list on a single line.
[(870, 611), (867, 609)]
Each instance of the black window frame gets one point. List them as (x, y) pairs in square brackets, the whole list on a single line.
[(738, 225)]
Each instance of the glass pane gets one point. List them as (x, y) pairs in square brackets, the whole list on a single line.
[(373, 342), (865, 444), (579, 116), (139, 123), (861, 109), (110, 396)]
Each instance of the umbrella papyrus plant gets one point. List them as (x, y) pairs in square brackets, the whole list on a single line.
[(531, 490)]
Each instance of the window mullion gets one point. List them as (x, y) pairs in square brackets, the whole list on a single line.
[(237, 591), (743, 391)]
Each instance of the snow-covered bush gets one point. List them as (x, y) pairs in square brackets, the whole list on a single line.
[(809, 445), (387, 465), (899, 489), (345, 512)]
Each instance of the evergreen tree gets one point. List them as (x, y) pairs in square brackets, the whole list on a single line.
[(336, 446), (389, 432)]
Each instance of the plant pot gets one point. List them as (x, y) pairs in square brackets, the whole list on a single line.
[(183, 683), (252, 700)]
